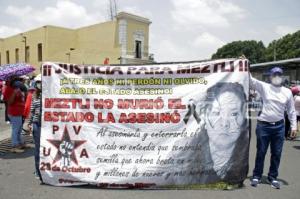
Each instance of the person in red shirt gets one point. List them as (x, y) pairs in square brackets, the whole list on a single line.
[(1, 90), (28, 102), (14, 96)]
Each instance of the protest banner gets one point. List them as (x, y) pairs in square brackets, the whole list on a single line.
[(145, 126)]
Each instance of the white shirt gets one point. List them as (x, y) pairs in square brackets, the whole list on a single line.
[(297, 104), (275, 100)]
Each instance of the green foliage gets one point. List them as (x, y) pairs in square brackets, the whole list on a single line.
[(286, 47), (253, 50)]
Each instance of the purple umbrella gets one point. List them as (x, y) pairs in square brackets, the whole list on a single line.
[(9, 70)]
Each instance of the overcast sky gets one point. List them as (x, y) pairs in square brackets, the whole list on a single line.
[(181, 30)]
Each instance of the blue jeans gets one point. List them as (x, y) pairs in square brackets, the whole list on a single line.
[(273, 135), (16, 126), (36, 137)]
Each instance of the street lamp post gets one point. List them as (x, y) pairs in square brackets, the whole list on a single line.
[(69, 54)]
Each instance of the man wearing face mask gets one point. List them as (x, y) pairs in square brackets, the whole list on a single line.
[(270, 128)]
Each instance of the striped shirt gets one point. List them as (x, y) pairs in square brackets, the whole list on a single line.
[(35, 110)]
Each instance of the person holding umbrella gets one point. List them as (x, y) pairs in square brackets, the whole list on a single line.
[(14, 96), (15, 99)]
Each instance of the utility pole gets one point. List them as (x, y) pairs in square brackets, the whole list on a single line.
[(274, 51), (112, 9)]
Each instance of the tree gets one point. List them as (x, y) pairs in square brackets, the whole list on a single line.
[(253, 50), (286, 47)]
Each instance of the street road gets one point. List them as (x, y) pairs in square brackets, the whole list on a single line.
[(17, 180)]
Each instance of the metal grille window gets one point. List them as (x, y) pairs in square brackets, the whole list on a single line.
[(138, 49)]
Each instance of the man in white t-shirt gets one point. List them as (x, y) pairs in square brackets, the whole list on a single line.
[(270, 128)]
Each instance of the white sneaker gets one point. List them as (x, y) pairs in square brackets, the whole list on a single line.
[(255, 182)]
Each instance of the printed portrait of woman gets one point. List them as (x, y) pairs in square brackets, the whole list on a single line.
[(226, 127), (224, 136)]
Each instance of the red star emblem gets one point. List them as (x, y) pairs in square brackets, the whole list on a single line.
[(66, 139)]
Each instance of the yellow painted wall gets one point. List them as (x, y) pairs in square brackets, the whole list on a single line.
[(58, 44), (95, 43), (10, 44), (1, 55), (33, 37)]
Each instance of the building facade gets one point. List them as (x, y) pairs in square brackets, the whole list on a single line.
[(122, 41)]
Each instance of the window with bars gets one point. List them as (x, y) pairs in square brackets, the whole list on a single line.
[(138, 49)]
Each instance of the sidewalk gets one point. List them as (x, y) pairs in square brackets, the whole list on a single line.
[(5, 129), (6, 133)]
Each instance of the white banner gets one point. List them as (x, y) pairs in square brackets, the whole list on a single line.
[(145, 126)]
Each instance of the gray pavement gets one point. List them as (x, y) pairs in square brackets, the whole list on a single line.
[(17, 181)]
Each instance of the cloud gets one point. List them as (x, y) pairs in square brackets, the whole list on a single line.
[(213, 13), (207, 40), (64, 13), (136, 11), (167, 50), (18, 12), (6, 31), (170, 48), (207, 44), (189, 17), (283, 30)]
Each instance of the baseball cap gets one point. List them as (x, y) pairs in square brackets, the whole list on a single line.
[(276, 70), (295, 90)]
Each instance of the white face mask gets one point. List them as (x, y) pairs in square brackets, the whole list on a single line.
[(276, 81)]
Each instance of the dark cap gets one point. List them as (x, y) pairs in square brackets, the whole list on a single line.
[(276, 70)]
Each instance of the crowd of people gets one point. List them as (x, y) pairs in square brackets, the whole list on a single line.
[(21, 96)]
